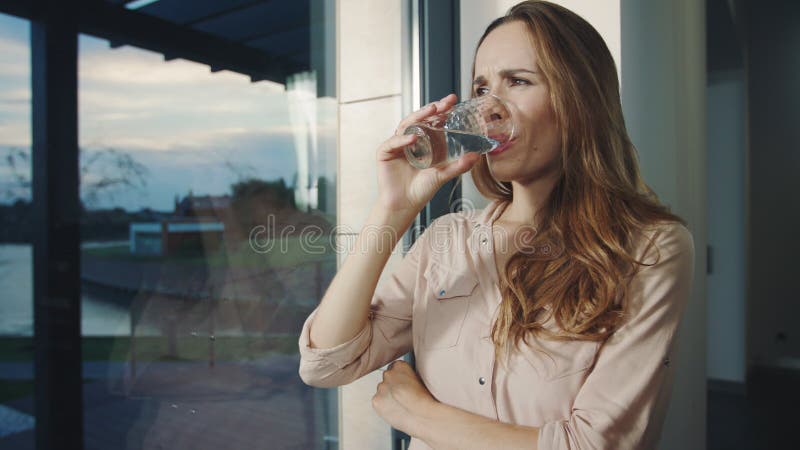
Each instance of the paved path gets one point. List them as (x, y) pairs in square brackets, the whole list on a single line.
[(91, 369), (188, 405)]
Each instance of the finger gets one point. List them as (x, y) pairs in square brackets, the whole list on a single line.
[(416, 116), (446, 102), (391, 147), (399, 364), (439, 106), (459, 166)]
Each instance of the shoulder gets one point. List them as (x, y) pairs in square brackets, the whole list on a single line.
[(674, 237), (448, 233), (661, 286), (470, 217), (660, 243), (455, 222)]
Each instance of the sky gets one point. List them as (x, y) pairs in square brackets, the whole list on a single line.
[(192, 129)]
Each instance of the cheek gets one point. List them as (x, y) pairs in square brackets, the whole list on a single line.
[(548, 132), (543, 140), (542, 132), (537, 119), (545, 116)]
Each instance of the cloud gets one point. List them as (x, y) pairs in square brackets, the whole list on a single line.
[(191, 128), (197, 140), (209, 170), (15, 133), (131, 98), (15, 96), (15, 58), (134, 66)]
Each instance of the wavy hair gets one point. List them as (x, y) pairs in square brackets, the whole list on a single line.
[(599, 204)]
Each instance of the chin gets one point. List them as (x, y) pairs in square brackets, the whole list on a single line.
[(514, 171), (505, 171)]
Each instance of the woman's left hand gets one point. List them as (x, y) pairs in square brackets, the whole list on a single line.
[(401, 397)]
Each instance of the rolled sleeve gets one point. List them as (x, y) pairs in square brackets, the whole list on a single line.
[(338, 357), (623, 401), (386, 336)]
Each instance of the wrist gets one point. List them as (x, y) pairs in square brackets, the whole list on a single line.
[(397, 220), (382, 230), (428, 420)]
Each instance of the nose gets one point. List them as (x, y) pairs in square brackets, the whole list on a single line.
[(499, 90)]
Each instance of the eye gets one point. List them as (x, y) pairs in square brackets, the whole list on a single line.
[(481, 90), (520, 82)]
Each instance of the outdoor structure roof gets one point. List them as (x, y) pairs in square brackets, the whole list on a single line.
[(264, 39)]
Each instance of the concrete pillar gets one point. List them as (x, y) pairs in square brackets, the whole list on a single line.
[(370, 85), (664, 99)]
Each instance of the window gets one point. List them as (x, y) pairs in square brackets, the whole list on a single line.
[(16, 253), (196, 185), (207, 136)]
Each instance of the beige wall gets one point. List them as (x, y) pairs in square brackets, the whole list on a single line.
[(664, 100), (369, 46)]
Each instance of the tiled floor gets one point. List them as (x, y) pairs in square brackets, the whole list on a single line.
[(191, 406), (765, 418)]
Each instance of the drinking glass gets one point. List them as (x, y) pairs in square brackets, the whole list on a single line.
[(480, 125)]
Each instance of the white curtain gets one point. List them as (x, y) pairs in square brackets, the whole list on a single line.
[(301, 89)]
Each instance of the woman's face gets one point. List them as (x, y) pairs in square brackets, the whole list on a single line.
[(506, 65)]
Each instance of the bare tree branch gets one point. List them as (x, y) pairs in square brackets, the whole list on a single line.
[(103, 174)]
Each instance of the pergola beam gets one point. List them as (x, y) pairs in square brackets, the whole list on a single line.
[(122, 26)]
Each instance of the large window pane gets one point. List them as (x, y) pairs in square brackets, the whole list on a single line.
[(16, 251), (200, 191)]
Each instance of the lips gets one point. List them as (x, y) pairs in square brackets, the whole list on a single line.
[(501, 148)]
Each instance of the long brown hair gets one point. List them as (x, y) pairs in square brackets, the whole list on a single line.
[(597, 208)]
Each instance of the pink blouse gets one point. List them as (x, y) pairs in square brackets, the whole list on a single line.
[(441, 302)]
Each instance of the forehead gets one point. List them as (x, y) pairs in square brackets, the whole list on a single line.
[(508, 45)]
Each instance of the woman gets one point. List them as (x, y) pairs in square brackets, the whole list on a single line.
[(518, 347)]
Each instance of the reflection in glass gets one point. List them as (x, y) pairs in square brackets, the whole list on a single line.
[(16, 251), (189, 321)]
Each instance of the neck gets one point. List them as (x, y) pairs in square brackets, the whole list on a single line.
[(529, 198)]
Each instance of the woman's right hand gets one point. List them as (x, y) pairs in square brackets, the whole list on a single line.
[(401, 186)]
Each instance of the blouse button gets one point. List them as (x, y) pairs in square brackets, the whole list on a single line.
[(441, 292), (482, 381)]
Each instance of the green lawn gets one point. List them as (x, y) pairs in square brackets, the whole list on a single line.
[(156, 348), (20, 349), (14, 389), (285, 253)]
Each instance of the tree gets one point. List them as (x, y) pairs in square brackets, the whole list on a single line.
[(19, 187), (103, 173), (274, 194)]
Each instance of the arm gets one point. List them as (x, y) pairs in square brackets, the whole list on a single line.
[(448, 428), (403, 401), (402, 192), (357, 329), (382, 324), (343, 311)]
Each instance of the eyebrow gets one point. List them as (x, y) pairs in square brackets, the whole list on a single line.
[(505, 74)]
